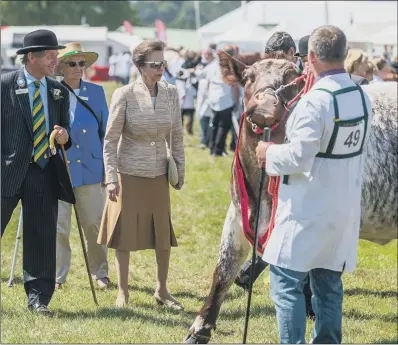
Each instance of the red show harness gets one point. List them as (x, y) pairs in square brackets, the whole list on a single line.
[(274, 181)]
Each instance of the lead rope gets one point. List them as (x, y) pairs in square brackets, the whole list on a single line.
[(274, 181)]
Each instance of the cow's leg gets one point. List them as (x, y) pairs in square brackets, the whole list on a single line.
[(233, 251)]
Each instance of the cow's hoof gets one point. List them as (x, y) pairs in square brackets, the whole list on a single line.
[(196, 339)]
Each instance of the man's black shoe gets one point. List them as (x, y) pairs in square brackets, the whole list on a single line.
[(40, 309)]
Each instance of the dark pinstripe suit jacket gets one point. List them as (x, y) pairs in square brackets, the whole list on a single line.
[(17, 134)]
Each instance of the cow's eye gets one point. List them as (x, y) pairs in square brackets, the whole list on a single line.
[(252, 77)]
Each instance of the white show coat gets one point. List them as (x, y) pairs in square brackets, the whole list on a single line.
[(203, 103), (318, 216), (186, 93)]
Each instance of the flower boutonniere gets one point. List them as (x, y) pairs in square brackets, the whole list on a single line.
[(57, 94)]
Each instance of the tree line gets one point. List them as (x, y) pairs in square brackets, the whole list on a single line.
[(175, 14)]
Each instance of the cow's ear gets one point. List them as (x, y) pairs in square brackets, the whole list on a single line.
[(231, 69)]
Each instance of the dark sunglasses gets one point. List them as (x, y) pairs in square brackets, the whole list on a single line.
[(157, 64), (74, 63)]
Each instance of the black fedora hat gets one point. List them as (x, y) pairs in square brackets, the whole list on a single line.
[(303, 46), (39, 40)]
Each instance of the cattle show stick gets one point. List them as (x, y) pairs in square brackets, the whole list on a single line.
[(266, 138)]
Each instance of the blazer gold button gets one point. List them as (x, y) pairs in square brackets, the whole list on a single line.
[(77, 146), (78, 161), (152, 143), (84, 131)]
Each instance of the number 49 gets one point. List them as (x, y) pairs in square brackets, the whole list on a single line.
[(353, 138)]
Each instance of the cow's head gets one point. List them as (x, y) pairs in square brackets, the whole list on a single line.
[(264, 103)]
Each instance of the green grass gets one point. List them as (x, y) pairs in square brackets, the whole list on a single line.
[(198, 211)]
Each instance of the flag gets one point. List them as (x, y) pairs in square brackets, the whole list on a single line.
[(160, 31)]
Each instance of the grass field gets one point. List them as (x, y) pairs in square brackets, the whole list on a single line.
[(198, 211)]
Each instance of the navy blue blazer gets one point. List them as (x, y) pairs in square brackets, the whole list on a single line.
[(85, 157)]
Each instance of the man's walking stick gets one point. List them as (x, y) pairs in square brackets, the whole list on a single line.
[(90, 278), (267, 133), (14, 258)]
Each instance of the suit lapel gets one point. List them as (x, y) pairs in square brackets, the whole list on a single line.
[(162, 96), (52, 107), (23, 100), (144, 97)]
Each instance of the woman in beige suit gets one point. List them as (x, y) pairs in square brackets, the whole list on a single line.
[(144, 116)]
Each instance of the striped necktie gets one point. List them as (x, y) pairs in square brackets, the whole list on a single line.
[(40, 141)]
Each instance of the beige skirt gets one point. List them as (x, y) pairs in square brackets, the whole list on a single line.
[(140, 218)]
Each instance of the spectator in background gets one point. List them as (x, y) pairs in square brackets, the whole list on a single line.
[(356, 62), (168, 76), (203, 110), (281, 41), (191, 60), (394, 70), (387, 53), (223, 98), (125, 67), (86, 163), (113, 68), (302, 54), (381, 71), (370, 72), (213, 48), (187, 94)]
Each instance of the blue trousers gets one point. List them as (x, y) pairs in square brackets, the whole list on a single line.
[(327, 301)]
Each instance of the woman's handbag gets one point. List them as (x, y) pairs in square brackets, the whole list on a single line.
[(172, 172)]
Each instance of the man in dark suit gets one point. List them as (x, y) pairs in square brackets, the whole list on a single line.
[(32, 106)]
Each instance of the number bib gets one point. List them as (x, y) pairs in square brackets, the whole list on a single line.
[(348, 136)]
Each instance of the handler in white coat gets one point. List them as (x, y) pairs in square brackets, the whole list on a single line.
[(318, 215)]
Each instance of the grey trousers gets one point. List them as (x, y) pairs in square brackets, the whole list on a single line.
[(90, 201)]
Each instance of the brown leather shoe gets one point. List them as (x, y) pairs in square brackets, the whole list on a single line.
[(169, 303), (58, 286)]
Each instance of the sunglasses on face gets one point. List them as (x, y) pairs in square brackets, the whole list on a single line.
[(74, 63), (157, 64)]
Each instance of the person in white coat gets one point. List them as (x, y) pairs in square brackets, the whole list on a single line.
[(186, 93), (318, 214), (203, 110)]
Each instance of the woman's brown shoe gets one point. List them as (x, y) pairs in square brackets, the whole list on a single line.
[(169, 303)]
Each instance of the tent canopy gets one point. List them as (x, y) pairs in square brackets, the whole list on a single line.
[(249, 38), (387, 36)]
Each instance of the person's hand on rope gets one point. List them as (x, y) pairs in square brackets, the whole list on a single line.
[(113, 190)]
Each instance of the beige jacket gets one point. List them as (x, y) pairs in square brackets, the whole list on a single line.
[(136, 133)]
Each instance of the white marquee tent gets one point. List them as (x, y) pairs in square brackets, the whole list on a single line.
[(304, 15), (249, 38)]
